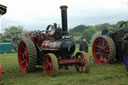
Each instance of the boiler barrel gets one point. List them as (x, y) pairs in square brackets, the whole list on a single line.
[(62, 48)]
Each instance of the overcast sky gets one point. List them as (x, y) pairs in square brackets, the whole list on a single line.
[(37, 14)]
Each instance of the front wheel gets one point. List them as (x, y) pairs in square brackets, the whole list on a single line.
[(84, 65), (50, 64)]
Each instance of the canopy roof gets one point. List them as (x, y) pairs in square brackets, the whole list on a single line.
[(2, 9)]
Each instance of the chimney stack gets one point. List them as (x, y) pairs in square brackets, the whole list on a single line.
[(64, 19)]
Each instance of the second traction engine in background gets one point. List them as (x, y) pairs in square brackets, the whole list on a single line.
[(52, 48), (107, 48)]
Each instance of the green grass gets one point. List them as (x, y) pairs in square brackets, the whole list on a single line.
[(99, 74)]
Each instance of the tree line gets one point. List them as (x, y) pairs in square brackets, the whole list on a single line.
[(91, 32), (14, 34)]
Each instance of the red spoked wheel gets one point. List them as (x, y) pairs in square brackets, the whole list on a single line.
[(103, 49), (84, 65), (50, 64), (0, 71), (1, 82), (27, 56)]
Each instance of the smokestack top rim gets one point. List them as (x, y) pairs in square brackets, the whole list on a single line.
[(63, 7)]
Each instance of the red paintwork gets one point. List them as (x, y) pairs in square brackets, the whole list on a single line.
[(69, 61), (48, 65), (101, 48), (44, 43), (82, 58), (87, 53), (63, 57), (39, 40), (0, 71), (81, 67), (23, 56), (49, 44)]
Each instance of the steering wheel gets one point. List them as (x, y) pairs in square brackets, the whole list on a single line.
[(49, 27), (124, 23)]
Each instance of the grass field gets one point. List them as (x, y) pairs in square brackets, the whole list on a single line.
[(99, 74)]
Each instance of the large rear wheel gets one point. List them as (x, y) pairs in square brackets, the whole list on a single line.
[(104, 50), (27, 55), (50, 64)]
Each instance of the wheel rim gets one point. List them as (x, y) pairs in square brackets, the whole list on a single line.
[(101, 50), (48, 65), (23, 56), (82, 66), (0, 71)]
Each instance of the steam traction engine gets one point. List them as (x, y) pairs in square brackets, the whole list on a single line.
[(107, 48), (2, 11), (52, 48)]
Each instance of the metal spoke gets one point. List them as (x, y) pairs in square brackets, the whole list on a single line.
[(23, 61), (98, 46), (103, 43), (51, 65), (98, 53)]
